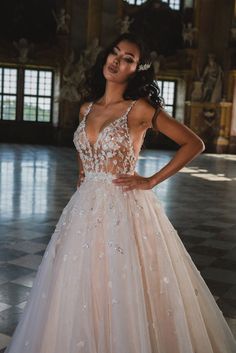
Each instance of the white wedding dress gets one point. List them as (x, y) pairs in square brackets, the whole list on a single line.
[(115, 276)]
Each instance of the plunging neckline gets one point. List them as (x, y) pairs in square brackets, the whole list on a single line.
[(93, 145)]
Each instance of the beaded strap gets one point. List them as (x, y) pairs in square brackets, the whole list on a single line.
[(130, 107), (88, 109)]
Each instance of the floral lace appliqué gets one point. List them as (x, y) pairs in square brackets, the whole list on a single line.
[(112, 152)]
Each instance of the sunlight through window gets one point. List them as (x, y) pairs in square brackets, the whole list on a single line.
[(174, 4), (37, 94), (168, 92), (8, 93), (6, 185), (33, 191)]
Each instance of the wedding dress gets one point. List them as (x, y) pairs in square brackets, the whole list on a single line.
[(115, 276)]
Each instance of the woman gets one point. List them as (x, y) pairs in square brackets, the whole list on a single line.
[(115, 276)]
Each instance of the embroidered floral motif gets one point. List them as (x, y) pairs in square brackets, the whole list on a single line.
[(113, 150)]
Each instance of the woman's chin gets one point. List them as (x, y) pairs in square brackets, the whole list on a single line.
[(111, 77)]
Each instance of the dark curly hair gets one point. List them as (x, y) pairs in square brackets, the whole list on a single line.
[(141, 84)]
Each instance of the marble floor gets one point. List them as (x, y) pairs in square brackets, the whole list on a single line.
[(37, 181)]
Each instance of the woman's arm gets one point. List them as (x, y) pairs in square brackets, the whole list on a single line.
[(190, 146)]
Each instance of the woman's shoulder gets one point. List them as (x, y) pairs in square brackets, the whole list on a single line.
[(145, 111), (83, 108), (143, 104)]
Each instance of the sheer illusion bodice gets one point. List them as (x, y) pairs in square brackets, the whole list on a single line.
[(113, 151)]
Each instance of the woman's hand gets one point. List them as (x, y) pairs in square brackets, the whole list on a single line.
[(131, 182)]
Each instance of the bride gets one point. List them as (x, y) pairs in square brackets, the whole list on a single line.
[(115, 276)]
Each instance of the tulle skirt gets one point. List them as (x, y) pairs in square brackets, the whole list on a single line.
[(116, 278)]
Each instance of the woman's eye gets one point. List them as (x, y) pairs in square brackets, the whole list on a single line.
[(129, 60)]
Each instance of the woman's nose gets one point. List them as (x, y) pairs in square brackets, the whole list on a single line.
[(116, 61)]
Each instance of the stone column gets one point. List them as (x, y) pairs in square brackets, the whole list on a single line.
[(232, 141), (222, 141), (79, 24), (110, 29), (214, 30), (94, 20)]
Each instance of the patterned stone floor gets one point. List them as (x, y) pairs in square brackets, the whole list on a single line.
[(36, 182)]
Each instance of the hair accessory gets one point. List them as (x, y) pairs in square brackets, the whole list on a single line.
[(144, 67)]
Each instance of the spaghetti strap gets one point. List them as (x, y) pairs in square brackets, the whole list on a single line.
[(129, 109), (88, 109)]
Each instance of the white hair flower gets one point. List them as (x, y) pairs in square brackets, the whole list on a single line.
[(144, 67)]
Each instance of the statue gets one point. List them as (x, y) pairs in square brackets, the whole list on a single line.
[(91, 53), (24, 48), (188, 34), (196, 94), (71, 78), (125, 24), (212, 80), (62, 21), (74, 73)]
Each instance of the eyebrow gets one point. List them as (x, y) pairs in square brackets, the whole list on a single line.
[(116, 46)]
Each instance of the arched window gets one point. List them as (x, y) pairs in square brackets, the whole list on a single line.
[(135, 2), (174, 4)]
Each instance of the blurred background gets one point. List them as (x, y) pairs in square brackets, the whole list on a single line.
[(45, 48)]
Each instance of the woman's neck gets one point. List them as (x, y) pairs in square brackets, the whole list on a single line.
[(113, 93)]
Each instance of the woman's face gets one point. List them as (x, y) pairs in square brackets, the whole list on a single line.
[(122, 62)]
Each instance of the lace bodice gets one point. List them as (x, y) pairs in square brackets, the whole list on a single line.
[(113, 150)]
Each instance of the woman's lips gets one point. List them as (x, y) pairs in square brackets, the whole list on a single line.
[(112, 69)]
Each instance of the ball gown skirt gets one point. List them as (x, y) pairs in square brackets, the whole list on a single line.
[(115, 276)]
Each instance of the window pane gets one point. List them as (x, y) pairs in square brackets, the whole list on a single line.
[(44, 109), (174, 4), (45, 83), (159, 85), (31, 82), (10, 79), (0, 80), (136, 2), (37, 94), (38, 84), (167, 91), (9, 108), (30, 104), (169, 109)]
